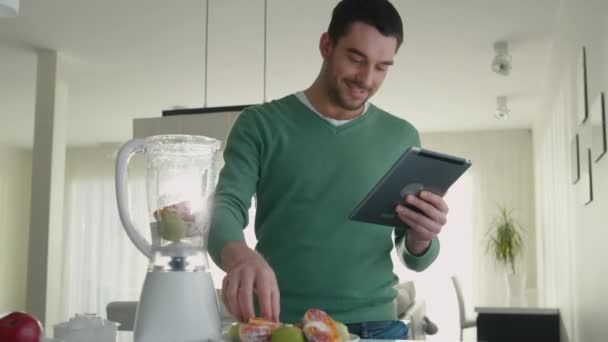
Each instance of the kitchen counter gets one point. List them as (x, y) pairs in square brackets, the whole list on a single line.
[(126, 336)]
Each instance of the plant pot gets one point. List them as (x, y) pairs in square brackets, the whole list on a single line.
[(516, 289)]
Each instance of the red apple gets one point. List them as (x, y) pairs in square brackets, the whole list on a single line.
[(20, 327)]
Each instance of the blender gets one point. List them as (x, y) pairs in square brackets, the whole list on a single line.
[(178, 301)]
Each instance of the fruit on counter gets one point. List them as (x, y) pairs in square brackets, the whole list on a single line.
[(316, 326), (287, 333), (174, 221), (20, 327), (263, 321), (233, 333), (343, 330), (320, 327), (254, 333), (257, 330)]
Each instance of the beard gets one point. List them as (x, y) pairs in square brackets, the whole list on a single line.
[(339, 97)]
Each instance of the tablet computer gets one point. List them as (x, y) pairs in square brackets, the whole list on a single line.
[(416, 170)]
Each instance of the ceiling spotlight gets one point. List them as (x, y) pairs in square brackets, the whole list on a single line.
[(502, 110), (9, 8), (501, 64)]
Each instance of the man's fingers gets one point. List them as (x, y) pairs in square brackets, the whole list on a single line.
[(264, 292), (245, 296), (268, 295), (421, 230), (224, 292), (230, 293), (419, 219), (275, 300), (429, 210), (251, 276), (435, 200)]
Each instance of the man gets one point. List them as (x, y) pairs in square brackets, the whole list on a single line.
[(310, 158)]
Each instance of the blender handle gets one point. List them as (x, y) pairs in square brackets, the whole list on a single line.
[(124, 155)]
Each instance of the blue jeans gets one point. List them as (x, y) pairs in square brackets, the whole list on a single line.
[(380, 330)]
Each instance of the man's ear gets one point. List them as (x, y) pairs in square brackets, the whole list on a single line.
[(325, 45)]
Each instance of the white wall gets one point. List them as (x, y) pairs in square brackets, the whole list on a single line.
[(502, 174), (573, 273), (15, 185)]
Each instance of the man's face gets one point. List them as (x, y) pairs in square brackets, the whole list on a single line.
[(357, 64)]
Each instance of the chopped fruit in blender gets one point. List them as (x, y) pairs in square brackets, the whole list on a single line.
[(175, 221), (172, 228)]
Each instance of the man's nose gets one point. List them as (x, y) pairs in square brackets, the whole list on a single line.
[(365, 76)]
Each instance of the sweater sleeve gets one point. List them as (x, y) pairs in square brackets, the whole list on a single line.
[(416, 263), (236, 185)]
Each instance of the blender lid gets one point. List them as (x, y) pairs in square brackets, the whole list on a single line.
[(200, 140)]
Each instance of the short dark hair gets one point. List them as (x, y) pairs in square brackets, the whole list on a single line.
[(380, 14)]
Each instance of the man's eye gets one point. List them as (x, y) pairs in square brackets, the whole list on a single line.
[(356, 60)]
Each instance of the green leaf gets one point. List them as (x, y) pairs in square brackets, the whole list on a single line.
[(504, 238)]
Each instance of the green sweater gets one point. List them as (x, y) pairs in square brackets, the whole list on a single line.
[(308, 175)]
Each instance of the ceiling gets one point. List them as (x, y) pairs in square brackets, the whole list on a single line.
[(132, 59)]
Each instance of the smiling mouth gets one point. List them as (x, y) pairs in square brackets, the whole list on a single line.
[(355, 90)]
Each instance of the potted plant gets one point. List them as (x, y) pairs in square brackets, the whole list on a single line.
[(505, 244)]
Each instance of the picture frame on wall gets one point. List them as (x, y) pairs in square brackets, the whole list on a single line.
[(575, 159), (586, 186), (599, 140), (582, 108)]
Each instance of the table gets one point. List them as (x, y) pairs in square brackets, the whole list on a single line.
[(522, 324), (124, 336)]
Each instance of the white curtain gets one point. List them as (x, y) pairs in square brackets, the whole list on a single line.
[(434, 285), (501, 173), (101, 264)]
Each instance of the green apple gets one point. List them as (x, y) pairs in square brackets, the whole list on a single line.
[(233, 332), (287, 333), (172, 227), (343, 330)]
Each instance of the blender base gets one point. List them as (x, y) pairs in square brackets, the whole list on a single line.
[(177, 306)]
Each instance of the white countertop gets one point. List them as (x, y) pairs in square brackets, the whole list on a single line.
[(124, 336)]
